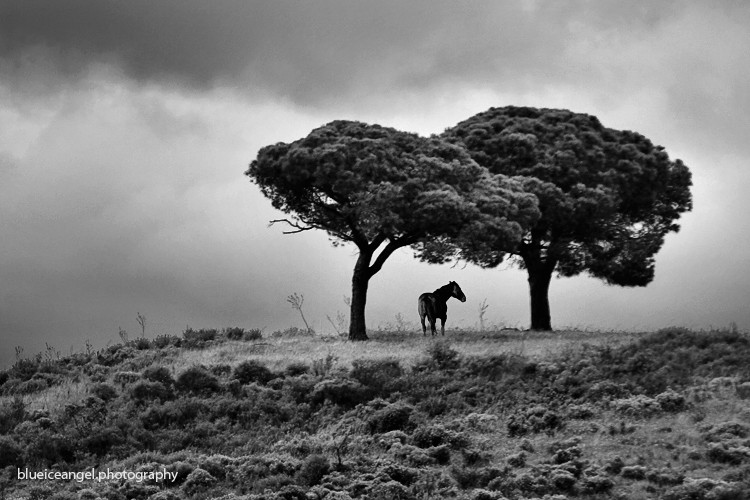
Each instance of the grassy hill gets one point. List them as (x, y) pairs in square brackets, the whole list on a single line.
[(237, 415)]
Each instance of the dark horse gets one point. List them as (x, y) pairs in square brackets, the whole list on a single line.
[(434, 305)]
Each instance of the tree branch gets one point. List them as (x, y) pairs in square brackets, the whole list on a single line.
[(298, 228), (391, 247)]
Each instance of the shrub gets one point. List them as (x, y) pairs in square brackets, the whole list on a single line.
[(100, 440), (126, 377), (146, 390), (706, 489), (637, 406), (12, 414), (296, 368), (671, 401), (156, 373), (198, 481), (733, 454), (313, 469), (393, 417), (162, 341), (198, 338), (443, 356), (378, 374), (234, 333), (534, 419), (596, 484), (10, 452), (252, 371), (400, 473), (518, 460), (237, 333), (562, 479), (391, 490), (342, 392), (633, 472), (197, 379), (433, 435), (105, 392)]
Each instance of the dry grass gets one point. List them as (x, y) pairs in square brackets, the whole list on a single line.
[(53, 397), (409, 347)]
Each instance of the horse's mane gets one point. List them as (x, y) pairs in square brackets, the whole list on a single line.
[(444, 292)]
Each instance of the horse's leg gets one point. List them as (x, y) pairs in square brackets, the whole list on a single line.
[(424, 327), (433, 324), (442, 326)]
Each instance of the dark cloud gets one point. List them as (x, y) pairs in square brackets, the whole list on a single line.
[(316, 51)]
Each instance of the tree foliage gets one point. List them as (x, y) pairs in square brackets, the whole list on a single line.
[(383, 189), (607, 197)]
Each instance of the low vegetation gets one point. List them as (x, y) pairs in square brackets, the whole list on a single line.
[(237, 414)]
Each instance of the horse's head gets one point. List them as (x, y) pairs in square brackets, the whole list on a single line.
[(457, 292)]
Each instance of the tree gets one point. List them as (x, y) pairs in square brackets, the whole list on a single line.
[(607, 197), (383, 189)]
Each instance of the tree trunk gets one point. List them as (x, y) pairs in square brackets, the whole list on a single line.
[(539, 281), (540, 274), (360, 281)]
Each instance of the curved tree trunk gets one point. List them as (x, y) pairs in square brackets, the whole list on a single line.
[(360, 281)]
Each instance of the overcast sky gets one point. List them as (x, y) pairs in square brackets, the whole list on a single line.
[(126, 127)]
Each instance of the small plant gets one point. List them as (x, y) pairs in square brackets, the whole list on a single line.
[(340, 325), (324, 366), (482, 310), (443, 356), (142, 322), (296, 300), (123, 335)]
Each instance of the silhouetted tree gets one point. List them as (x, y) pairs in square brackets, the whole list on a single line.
[(383, 189), (607, 197)]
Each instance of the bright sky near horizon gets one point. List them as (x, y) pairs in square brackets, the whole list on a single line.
[(127, 126)]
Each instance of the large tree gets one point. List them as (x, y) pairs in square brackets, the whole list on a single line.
[(383, 189), (607, 197)]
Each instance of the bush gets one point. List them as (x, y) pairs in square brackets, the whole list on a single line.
[(377, 374), (633, 472), (156, 373), (12, 414), (198, 380), (105, 392), (296, 368), (533, 420), (162, 341), (394, 417), (313, 469), (198, 481), (11, 452), (146, 390), (252, 371), (442, 356), (237, 333), (343, 392), (198, 338)]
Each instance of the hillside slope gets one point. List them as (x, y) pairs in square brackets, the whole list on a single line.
[(473, 415)]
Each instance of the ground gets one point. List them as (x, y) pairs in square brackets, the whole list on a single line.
[(242, 414)]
